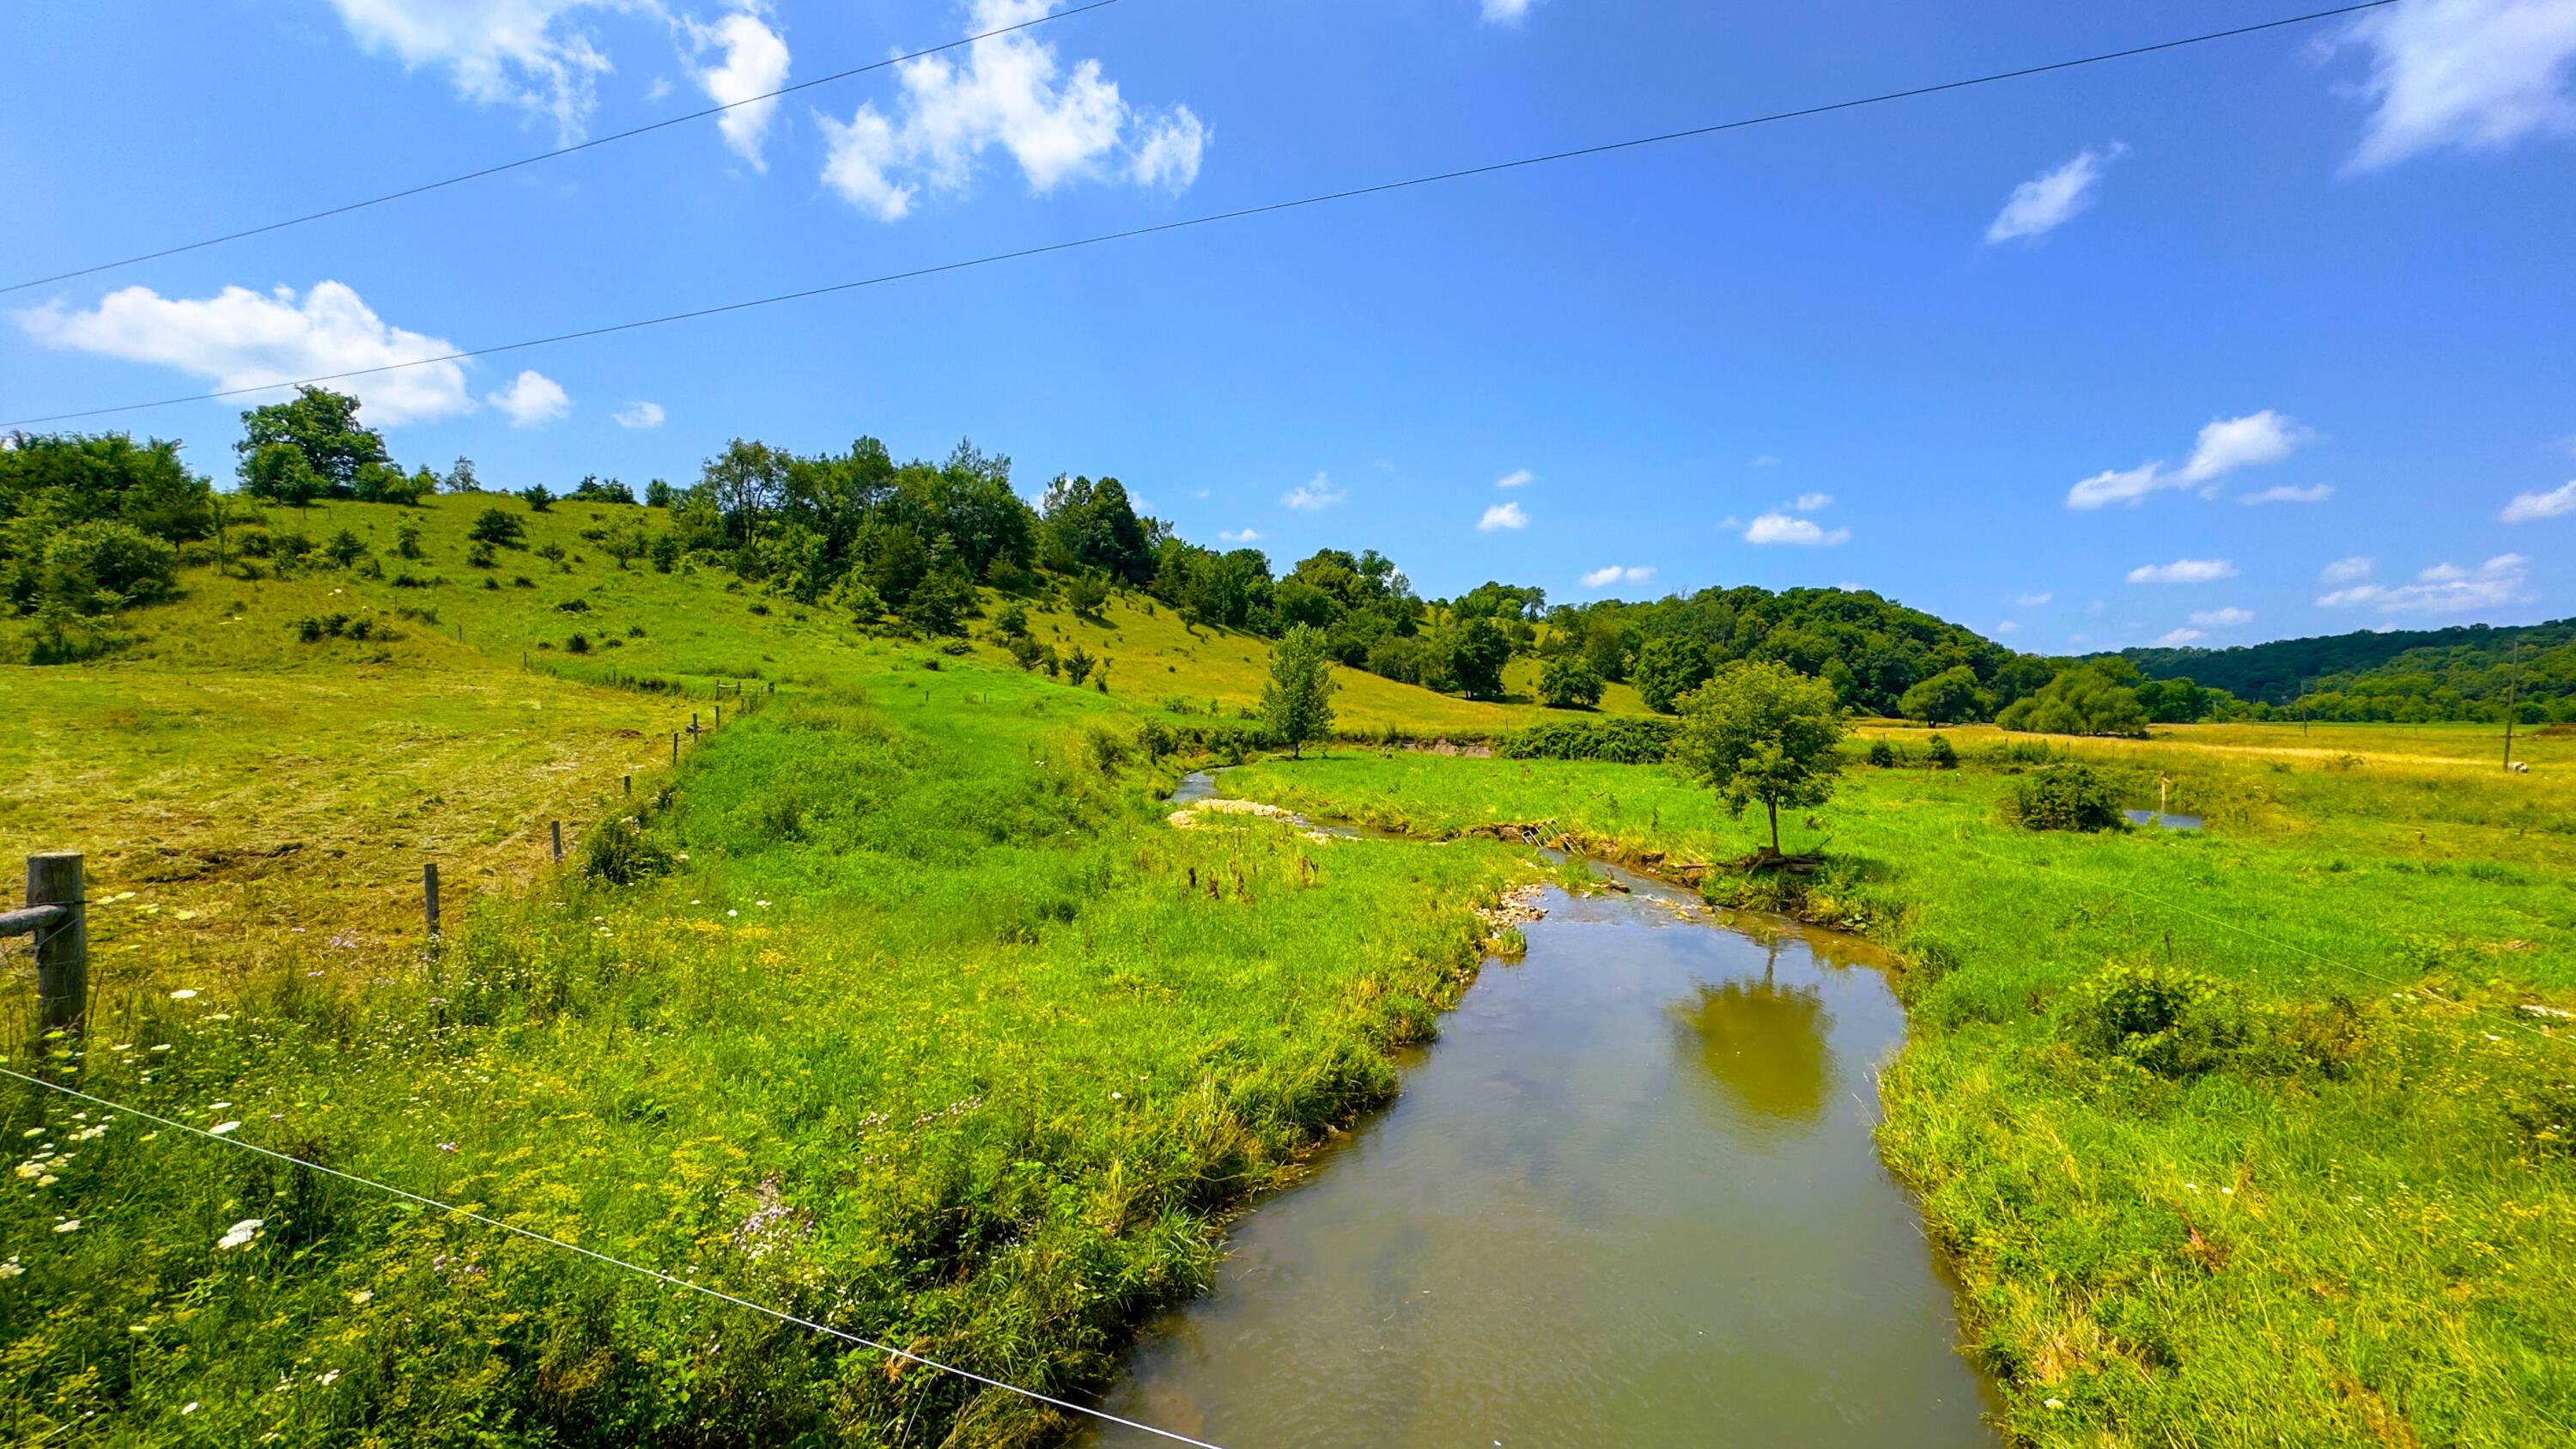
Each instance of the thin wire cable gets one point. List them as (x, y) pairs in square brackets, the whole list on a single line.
[(1381, 188), (656, 1274), (595, 141)]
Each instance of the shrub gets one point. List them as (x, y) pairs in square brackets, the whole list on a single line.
[(578, 644), (620, 854), (1618, 741), (2170, 1021), (94, 567), (407, 539), (1882, 755), (1156, 739), (1938, 751), (480, 555), (1086, 593), (2063, 797), (496, 526)]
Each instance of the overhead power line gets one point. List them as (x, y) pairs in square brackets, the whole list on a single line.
[(655, 1274), (591, 144), (1241, 213)]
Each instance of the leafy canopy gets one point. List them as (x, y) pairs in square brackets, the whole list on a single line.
[(1297, 703), (1761, 732)]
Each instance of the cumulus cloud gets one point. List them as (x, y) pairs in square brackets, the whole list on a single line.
[(2345, 570), (2291, 493), (2223, 618), (2184, 571), (1240, 535), (1765, 460), (1602, 578), (2009, 626), (2558, 502), (2443, 589), (532, 400), (2052, 198), (1503, 515), (525, 53), (2032, 601), (639, 415), (239, 338), (1785, 528), (1504, 12), (2224, 446), (2176, 638), (1517, 478), (1009, 91), (1314, 496), (754, 63), (1810, 502), (2474, 74)]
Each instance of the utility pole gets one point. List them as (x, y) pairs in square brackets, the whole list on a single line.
[(2512, 686)]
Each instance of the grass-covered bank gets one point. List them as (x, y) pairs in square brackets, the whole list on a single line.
[(933, 1030), (2324, 1197)]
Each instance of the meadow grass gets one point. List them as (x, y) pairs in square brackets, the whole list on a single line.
[(935, 1031), (2345, 1209)]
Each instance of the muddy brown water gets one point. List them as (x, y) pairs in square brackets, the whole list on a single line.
[(1629, 1197)]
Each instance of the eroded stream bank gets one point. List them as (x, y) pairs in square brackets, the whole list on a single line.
[(1629, 1197)]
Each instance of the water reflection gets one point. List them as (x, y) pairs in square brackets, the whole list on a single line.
[(1763, 1043)]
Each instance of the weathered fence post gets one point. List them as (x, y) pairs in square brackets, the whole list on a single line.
[(719, 716), (62, 949), (693, 721), (429, 895), (555, 828), (675, 749), (628, 781)]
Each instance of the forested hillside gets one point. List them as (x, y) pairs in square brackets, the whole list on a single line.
[(2465, 672)]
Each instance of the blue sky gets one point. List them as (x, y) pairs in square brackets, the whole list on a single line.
[(2025, 356)]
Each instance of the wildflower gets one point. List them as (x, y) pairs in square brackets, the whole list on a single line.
[(730, 911), (217, 1106), (362, 1297), (240, 1234), (184, 993), (2057, 1403), (220, 1128), (760, 903), (447, 1147), (163, 1047), (327, 1380), (12, 1268), (190, 1409), (71, 1225), (48, 1180), (33, 1132)]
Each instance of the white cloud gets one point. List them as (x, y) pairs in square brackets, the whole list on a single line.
[(1810, 502), (2290, 493), (1517, 478), (1783, 528), (639, 415), (524, 53), (532, 400), (1503, 515), (1314, 495), (2032, 601), (1766, 460), (2227, 618), (2184, 571), (2443, 589), (1241, 535), (239, 338), (2224, 446), (1505, 12), (2052, 198), (2009, 626), (754, 64), (2345, 570), (1602, 578), (2556, 503), (2476, 74), (1011, 92), (2232, 443), (2176, 638)]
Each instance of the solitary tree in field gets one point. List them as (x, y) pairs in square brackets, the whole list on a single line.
[(1761, 731), (1297, 703)]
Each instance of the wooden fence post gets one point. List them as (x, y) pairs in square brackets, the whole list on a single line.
[(62, 949), (555, 828), (429, 895), (629, 783), (719, 716), (675, 749)]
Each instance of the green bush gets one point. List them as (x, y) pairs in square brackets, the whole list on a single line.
[(1938, 751), (1569, 682), (2170, 1021), (1614, 741), (621, 854), (1883, 755), (2063, 797)]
